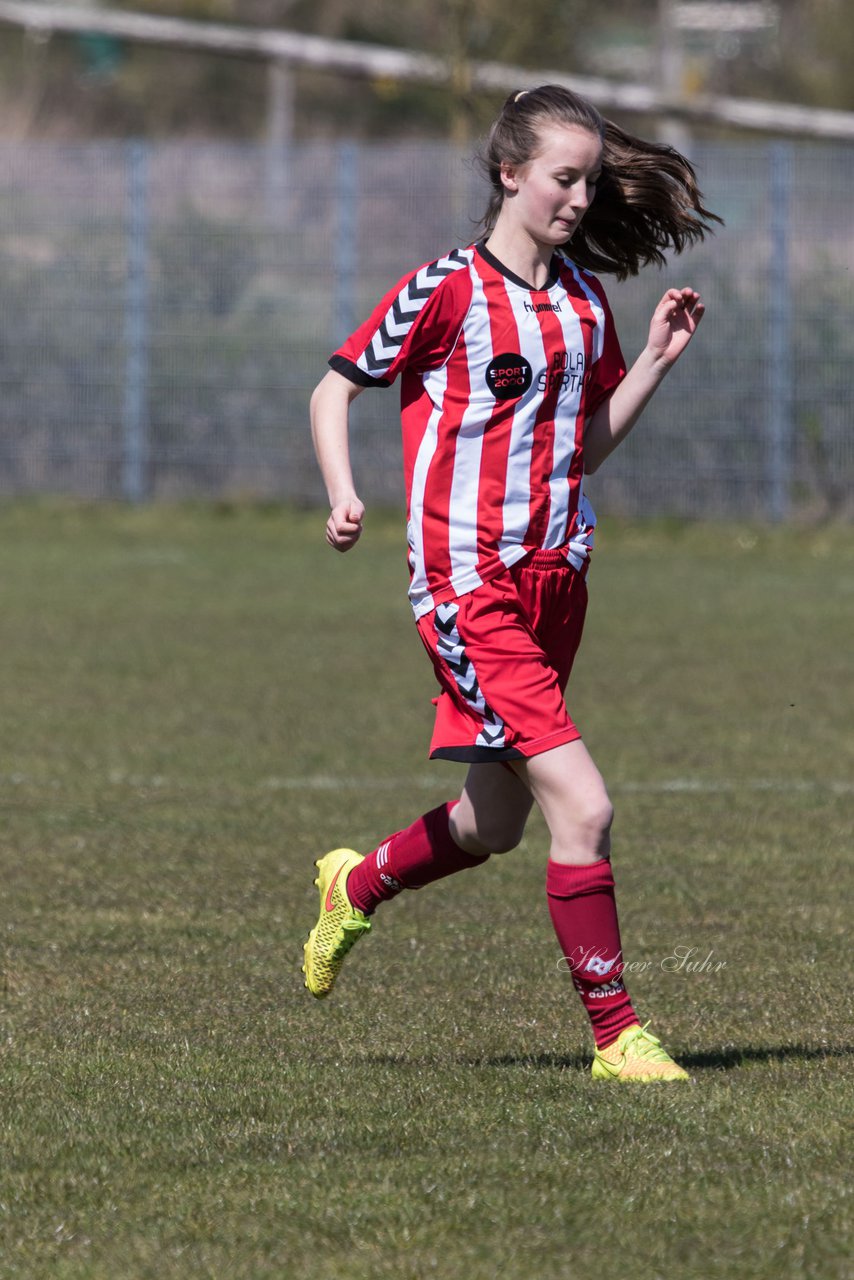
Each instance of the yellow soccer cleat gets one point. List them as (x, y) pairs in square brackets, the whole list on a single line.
[(636, 1055), (339, 925)]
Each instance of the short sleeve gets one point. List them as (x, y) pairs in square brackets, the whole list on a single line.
[(415, 326), (609, 367)]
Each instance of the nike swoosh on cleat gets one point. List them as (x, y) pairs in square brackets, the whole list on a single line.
[(329, 903)]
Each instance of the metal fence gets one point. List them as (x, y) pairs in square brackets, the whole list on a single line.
[(168, 308)]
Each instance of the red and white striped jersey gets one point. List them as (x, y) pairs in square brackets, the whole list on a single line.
[(498, 381)]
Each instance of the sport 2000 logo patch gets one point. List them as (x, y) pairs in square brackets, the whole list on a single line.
[(509, 376)]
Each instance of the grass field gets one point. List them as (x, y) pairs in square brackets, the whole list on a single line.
[(195, 703)]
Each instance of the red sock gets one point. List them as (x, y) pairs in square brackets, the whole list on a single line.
[(422, 853), (584, 915)]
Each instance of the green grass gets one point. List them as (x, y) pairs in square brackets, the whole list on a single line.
[(196, 702)]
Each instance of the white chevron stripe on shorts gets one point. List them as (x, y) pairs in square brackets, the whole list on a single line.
[(452, 651)]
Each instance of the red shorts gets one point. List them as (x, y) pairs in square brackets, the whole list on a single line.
[(503, 654)]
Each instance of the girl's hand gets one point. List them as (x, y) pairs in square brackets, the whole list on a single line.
[(674, 323), (344, 526)]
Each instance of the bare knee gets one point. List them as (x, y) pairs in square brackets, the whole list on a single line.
[(585, 835), (502, 839), (484, 834), (598, 822)]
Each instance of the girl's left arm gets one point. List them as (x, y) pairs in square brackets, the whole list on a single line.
[(673, 325)]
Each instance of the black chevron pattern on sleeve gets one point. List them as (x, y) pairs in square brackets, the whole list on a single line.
[(384, 346)]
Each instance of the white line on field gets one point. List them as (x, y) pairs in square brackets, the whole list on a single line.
[(702, 786), (430, 782)]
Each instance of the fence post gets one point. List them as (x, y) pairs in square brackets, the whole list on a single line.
[(279, 140), (344, 250), (779, 388), (135, 413)]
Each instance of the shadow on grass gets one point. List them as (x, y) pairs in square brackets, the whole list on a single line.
[(531, 1061), (540, 1061), (725, 1059)]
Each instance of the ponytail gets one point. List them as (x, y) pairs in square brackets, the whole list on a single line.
[(647, 200)]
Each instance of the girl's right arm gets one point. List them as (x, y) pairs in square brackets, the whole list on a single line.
[(330, 423)]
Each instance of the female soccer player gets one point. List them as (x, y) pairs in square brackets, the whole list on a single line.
[(513, 387)]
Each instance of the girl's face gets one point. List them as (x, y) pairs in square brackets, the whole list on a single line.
[(548, 196)]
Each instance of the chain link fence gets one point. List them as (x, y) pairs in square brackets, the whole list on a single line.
[(169, 308)]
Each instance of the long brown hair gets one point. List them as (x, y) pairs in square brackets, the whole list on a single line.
[(647, 200)]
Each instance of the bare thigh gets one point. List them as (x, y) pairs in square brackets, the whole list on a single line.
[(493, 809), (571, 794)]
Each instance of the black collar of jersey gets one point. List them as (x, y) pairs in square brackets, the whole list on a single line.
[(505, 271)]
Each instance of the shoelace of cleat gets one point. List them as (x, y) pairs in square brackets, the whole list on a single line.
[(350, 931), (647, 1045)]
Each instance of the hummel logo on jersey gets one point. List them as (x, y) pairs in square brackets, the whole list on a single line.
[(509, 376), (542, 306)]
